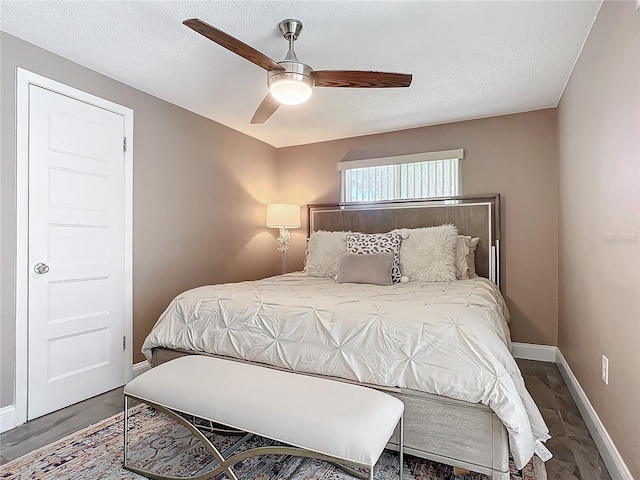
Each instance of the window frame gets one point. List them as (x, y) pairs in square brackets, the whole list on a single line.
[(398, 162)]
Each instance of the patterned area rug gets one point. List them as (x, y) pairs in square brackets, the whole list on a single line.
[(159, 444)]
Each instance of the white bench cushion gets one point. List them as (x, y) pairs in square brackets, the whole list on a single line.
[(345, 421)]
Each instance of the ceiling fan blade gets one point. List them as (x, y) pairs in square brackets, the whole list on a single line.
[(360, 79), (267, 108), (231, 43)]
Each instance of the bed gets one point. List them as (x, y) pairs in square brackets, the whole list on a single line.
[(377, 336)]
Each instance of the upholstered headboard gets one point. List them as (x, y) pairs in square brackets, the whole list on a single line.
[(477, 216)]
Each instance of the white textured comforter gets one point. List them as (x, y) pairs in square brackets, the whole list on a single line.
[(444, 338)]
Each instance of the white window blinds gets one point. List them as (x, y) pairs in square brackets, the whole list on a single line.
[(423, 175)]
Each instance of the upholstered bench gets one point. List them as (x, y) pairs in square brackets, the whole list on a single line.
[(317, 418)]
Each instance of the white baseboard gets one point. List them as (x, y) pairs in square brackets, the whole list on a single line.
[(610, 455), (530, 351), (8, 413), (7, 418), (140, 367)]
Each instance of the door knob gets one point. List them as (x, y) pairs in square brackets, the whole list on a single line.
[(41, 268)]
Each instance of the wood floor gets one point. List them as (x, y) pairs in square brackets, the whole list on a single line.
[(575, 453), (575, 456), (44, 430)]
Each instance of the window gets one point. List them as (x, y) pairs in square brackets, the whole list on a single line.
[(422, 175)]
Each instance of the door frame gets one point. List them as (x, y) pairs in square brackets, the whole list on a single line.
[(25, 78)]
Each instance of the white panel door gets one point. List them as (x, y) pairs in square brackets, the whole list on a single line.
[(76, 251)]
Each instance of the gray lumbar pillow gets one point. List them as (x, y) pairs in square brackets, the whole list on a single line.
[(373, 268)]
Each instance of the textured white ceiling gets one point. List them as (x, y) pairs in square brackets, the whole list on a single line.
[(468, 59)]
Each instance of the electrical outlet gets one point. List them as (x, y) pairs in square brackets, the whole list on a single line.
[(605, 370)]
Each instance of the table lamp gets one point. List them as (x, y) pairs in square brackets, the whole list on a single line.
[(283, 216)]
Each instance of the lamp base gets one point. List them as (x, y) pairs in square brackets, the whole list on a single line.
[(283, 246), (284, 262)]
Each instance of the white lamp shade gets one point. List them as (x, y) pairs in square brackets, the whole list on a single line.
[(283, 215)]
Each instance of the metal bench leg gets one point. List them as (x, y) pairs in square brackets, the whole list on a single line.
[(224, 467), (400, 449), (401, 446), (126, 427)]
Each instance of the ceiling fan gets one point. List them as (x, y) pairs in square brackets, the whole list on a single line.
[(291, 82)]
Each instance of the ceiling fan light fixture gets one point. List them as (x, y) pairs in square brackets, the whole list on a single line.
[(293, 86), (290, 91)]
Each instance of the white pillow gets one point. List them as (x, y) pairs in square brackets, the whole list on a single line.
[(462, 250), (471, 257), (323, 253), (466, 257), (428, 254)]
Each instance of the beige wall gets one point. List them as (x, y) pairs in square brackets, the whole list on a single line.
[(513, 155), (599, 212), (198, 215), (569, 180)]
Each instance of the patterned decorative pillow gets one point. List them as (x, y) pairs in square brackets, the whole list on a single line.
[(377, 243)]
